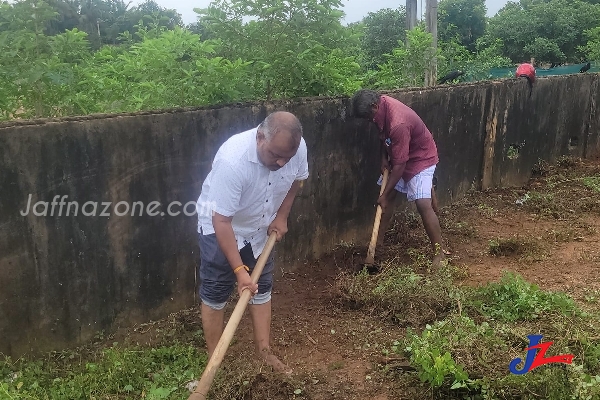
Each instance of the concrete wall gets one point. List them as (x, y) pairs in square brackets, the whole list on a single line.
[(64, 278)]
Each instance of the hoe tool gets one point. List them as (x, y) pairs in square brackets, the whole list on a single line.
[(210, 371), (370, 259)]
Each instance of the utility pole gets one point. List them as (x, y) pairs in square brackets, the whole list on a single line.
[(411, 14), (431, 19)]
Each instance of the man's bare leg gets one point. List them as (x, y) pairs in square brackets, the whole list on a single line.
[(386, 218), (432, 227), (212, 325), (434, 202), (261, 323)]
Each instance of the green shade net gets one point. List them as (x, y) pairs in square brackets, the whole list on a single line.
[(561, 70)]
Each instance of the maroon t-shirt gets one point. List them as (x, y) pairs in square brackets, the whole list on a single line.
[(406, 137)]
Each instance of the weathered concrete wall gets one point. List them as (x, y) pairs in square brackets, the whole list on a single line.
[(64, 278), (592, 140)]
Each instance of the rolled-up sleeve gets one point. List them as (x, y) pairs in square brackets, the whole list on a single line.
[(303, 160), (226, 189)]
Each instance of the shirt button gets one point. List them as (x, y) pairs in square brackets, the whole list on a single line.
[(267, 201), (263, 215), (269, 183)]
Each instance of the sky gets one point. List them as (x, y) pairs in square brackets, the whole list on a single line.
[(355, 9)]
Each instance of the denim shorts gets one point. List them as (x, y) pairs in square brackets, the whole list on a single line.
[(217, 280)]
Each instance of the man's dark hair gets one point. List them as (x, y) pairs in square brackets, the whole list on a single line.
[(362, 102)]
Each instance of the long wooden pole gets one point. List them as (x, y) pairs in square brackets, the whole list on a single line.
[(210, 371), (431, 16), (411, 14), (370, 259)]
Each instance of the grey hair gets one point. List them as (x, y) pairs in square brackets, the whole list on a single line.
[(277, 122), (362, 102)]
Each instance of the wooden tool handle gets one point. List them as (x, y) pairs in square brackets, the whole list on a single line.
[(217, 357), (370, 259)]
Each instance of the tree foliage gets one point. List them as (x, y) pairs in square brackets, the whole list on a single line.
[(70, 57), (382, 31), (168, 68), (47, 76), (295, 47), (407, 63), (103, 20), (475, 65), (547, 30), (462, 20), (592, 47)]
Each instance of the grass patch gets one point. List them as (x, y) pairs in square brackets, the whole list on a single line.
[(506, 247), (111, 373), (466, 353), (460, 229), (564, 191), (447, 349), (561, 235), (592, 182), (544, 204), (161, 372), (487, 211), (458, 358), (576, 231), (401, 293), (514, 299), (515, 246)]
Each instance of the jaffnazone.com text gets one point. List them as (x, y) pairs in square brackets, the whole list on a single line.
[(59, 207)]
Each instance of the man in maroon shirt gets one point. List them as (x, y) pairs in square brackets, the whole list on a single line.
[(409, 153)]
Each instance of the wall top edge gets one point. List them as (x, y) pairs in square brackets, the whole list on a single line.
[(265, 103)]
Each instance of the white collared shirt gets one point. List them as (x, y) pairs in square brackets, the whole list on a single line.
[(239, 185)]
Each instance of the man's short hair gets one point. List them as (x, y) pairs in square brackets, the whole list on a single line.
[(362, 102), (275, 123)]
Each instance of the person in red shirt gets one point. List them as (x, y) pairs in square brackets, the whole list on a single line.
[(409, 153)]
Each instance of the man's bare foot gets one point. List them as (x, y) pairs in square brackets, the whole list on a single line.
[(271, 359)]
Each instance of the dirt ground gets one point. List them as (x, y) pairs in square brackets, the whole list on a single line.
[(547, 231)]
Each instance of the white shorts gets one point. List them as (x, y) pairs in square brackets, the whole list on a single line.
[(419, 187)]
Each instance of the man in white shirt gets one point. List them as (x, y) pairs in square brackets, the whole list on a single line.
[(247, 194)]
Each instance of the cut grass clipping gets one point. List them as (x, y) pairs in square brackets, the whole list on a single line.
[(399, 293)]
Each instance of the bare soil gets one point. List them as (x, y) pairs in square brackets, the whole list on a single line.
[(338, 352)]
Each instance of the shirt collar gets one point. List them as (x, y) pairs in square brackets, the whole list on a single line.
[(379, 117), (252, 149)]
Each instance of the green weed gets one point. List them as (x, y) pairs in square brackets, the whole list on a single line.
[(153, 373), (514, 299), (431, 351), (592, 182)]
